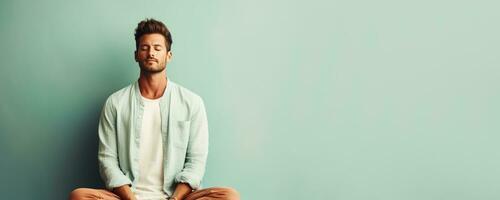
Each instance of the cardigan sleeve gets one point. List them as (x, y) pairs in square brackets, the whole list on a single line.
[(109, 168), (197, 149)]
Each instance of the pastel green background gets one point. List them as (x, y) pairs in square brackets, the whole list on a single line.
[(344, 100)]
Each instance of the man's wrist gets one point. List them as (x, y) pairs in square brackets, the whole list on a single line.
[(124, 192)]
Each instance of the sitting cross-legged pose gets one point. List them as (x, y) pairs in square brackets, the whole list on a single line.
[(153, 134)]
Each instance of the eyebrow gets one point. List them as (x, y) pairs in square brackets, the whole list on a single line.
[(156, 45)]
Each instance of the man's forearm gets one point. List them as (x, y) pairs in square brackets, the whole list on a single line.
[(181, 191), (124, 192)]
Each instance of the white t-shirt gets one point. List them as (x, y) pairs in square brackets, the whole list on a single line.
[(149, 184)]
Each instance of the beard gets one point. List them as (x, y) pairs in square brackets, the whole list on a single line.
[(156, 67)]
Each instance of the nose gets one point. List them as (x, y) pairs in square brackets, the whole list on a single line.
[(152, 53)]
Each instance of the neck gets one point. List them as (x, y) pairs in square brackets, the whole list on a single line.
[(152, 85)]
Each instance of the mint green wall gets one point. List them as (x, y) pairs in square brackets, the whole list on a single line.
[(347, 100)]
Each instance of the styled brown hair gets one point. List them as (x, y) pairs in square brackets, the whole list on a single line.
[(149, 26)]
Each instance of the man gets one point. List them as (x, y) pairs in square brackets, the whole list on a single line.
[(153, 134)]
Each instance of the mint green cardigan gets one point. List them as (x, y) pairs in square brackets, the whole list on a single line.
[(184, 131)]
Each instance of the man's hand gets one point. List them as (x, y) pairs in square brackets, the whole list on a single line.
[(181, 191), (124, 192)]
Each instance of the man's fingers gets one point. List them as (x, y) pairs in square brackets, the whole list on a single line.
[(198, 194)]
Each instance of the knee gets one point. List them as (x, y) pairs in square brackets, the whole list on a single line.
[(78, 193), (230, 193)]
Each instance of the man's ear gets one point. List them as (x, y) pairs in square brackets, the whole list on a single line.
[(135, 55), (169, 56)]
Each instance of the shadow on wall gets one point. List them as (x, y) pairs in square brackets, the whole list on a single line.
[(79, 160)]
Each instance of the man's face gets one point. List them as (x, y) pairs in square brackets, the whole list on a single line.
[(152, 54)]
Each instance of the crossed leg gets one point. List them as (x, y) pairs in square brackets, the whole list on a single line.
[(214, 193), (91, 194)]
